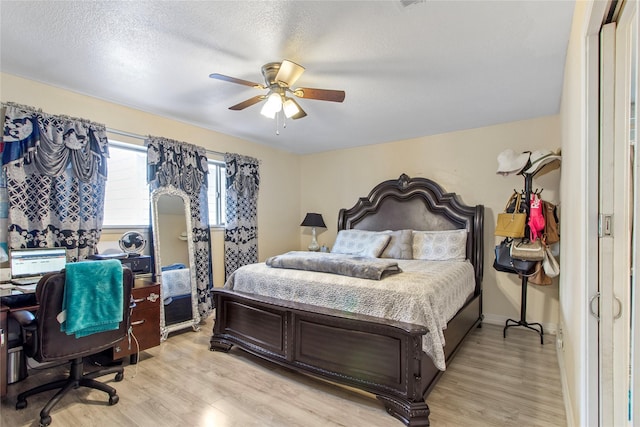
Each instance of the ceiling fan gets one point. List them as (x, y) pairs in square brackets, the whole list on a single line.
[(279, 78)]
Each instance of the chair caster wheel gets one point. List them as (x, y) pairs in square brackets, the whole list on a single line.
[(21, 404), (113, 399), (45, 421), (119, 376)]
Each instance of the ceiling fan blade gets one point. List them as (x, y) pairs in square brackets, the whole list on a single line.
[(236, 80), (288, 73), (320, 94), (248, 103)]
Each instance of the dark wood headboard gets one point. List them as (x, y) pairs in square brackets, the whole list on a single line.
[(418, 204)]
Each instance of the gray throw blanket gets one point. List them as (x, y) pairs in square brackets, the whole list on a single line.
[(345, 265)]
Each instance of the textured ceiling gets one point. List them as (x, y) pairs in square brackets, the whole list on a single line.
[(409, 69)]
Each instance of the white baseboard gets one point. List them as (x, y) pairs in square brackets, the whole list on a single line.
[(497, 319)]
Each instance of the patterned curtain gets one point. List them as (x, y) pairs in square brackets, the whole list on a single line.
[(241, 233), (56, 169), (184, 166)]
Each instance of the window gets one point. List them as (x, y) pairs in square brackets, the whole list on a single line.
[(126, 201), (217, 194)]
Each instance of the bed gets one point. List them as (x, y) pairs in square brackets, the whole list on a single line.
[(383, 355)]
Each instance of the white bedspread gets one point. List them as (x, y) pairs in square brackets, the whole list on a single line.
[(427, 293), (175, 282)]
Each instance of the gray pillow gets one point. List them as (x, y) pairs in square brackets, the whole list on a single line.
[(400, 245), (360, 242)]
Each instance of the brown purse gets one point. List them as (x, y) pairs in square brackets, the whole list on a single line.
[(511, 224), (551, 227), (539, 277)]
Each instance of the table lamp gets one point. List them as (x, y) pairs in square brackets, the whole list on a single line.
[(313, 220)]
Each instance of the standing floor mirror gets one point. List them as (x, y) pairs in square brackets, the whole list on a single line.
[(174, 260)]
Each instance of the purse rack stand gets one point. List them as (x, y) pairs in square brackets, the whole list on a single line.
[(528, 178)]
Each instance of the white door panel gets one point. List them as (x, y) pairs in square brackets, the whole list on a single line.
[(606, 272), (617, 204)]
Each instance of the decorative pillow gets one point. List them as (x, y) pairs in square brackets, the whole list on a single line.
[(400, 245), (360, 242), (447, 245)]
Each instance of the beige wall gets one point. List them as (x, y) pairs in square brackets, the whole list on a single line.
[(279, 197), (462, 162)]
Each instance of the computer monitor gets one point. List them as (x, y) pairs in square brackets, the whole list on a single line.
[(36, 262)]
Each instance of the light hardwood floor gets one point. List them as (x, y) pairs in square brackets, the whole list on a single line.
[(492, 382)]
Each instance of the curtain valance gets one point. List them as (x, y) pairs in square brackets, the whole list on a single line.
[(175, 163), (51, 143)]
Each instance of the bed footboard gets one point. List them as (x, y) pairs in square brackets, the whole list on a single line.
[(376, 355)]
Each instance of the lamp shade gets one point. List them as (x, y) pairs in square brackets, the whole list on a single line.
[(313, 220), (272, 106)]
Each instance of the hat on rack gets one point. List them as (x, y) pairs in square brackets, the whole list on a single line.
[(540, 158), (510, 162)]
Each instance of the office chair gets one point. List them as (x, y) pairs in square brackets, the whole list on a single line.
[(45, 342)]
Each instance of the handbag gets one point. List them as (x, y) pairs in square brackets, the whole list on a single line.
[(503, 261), (539, 277), (511, 224), (550, 264), (513, 205), (528, 250), (536, 218), (551, 227)]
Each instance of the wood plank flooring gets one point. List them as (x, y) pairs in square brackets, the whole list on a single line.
[(492, 382)]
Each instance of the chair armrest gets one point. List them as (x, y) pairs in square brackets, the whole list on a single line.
[(25, 318), (29, 326)]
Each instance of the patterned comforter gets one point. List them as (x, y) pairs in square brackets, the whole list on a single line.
[(426, 293)]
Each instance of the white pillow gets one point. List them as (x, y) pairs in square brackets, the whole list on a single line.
[(447, 245), (360, 242), (400, 245)]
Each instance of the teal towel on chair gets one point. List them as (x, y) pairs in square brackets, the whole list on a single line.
[(92, 297)]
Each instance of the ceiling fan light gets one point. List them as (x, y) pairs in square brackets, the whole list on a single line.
[(290, 108), (289, 72), (272, 106)]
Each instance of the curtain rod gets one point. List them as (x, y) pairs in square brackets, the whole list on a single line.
[(144, 138)]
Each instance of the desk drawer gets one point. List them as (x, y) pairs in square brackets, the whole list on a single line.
[(146, 329), (146, 297), (145, 322)]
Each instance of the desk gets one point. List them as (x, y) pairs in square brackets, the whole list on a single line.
[(145, 320)]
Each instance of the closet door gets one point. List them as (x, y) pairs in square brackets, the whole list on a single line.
[(617, 215), (625, 202), (606, 219), (628, 49)]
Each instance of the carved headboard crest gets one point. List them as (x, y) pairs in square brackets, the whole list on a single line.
[(403, 181)]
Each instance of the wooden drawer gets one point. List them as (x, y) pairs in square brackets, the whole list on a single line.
[(145, 322), (146, 297)]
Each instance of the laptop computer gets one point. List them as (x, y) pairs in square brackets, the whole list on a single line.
[(29, 265)]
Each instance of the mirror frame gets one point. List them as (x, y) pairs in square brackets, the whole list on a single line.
[(194, 322)]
